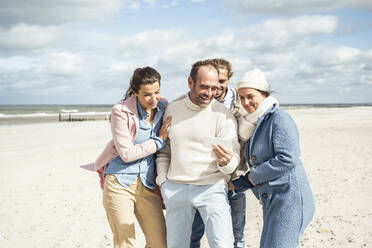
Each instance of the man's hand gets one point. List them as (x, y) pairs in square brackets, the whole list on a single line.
[(223, 155)]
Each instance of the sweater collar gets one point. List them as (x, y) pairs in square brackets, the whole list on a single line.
[(195, 107)]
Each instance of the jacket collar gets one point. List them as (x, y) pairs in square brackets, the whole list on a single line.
[(272, 110), (267, 113), (260, 120), (130, 105)]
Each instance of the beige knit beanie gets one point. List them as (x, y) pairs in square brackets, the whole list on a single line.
[(254, 79)]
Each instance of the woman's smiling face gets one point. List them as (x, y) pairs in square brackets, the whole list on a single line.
[(250, 98), (149, 95)]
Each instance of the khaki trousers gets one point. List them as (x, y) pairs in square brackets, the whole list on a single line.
[(123, 205)]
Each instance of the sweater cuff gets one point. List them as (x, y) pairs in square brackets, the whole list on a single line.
[(160, 144), (160, 179), (230, 167)]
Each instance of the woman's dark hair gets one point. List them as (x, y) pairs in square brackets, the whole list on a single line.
[(142, 76), (265, 93)]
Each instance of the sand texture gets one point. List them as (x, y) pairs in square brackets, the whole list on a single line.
[(47, 201)]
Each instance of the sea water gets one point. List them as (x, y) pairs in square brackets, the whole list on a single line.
[(24, 114)]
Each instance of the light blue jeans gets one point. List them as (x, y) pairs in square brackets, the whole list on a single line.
[(237, 203), (182, 201)]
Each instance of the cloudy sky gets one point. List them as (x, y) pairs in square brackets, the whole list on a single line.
[(84, 51)]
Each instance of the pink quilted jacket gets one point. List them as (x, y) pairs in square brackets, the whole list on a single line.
[(124, 125)]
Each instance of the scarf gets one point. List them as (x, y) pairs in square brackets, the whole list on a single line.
[(247, 122)]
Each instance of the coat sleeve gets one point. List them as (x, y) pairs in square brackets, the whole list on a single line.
[(123, 140), (242, 183), (286, 147)]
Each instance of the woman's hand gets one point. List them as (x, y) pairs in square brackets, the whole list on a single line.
[(164, 130), (249, 175), (230, 186), (250, 179), (223, 155)]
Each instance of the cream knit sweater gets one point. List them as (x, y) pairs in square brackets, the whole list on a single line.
[(186, 158)]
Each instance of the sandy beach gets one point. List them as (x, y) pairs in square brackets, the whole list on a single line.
[(47, 201)]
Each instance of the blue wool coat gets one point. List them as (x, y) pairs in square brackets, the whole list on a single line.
[(273, 152)]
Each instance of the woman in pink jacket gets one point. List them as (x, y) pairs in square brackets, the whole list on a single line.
[(138, 131)]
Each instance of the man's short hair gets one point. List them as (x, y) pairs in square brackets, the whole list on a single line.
[(195, 67), (222, 63)]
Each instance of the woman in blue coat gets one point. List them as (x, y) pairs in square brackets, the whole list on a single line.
[(277, 176)]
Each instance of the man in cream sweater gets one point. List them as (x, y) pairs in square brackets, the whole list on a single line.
[(229, 97), (194, 168)]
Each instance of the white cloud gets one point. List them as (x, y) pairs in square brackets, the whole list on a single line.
[(153, 40), (337, 56), (284, 48), (46, 12), (120, 67), (222, 42), (246, 7), (155, 45), (22, 38), (286, 33), (65, 64), (281, 47), (302, 25), (276, 59)]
